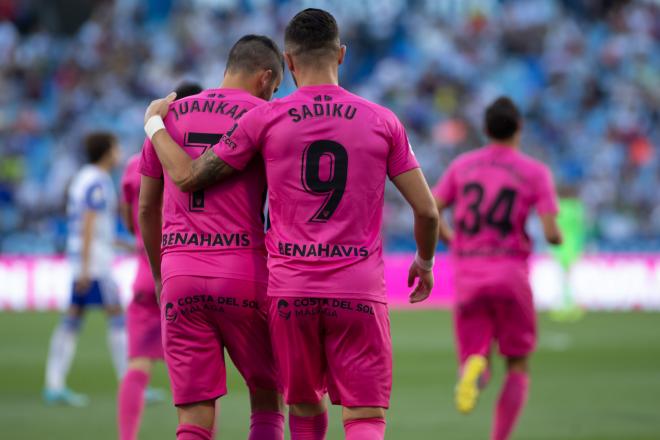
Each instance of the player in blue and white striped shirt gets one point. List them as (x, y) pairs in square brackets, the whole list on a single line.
[(92, 212)]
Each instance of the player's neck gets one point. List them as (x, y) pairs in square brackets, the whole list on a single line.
[(103, 166), (237, 82), (317, 76), (508, 143)]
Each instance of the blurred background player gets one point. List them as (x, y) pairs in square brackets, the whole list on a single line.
[(329, 319), (92, 210), (492, 191), (213, 269), (571, 221), (143, 313)]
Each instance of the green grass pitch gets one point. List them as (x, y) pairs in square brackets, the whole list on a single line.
[(598, 379)]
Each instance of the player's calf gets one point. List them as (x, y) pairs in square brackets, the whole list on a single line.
[(512, 398), (308, 421), (196, 421), (60, 355), (117, 339), (131, 397), (364, 423), (267, 418)]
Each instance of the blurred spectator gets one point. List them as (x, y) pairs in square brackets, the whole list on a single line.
[(586, 73)]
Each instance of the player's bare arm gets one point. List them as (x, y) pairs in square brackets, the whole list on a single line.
[(87, 232), (187, 174), (445, 232), (412, 185), (151, 223), (551, 229), (126, 213)]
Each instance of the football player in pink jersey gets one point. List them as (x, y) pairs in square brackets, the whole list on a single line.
[(328, 154), (143, 314), (492, 191), (207, 247)]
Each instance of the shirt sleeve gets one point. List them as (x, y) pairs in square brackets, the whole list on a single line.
[(242, 142), (546, 200), (95, 197), (445, 189), (401, 157), (150, 165)]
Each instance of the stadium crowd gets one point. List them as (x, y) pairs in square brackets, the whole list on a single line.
[(586, 74)]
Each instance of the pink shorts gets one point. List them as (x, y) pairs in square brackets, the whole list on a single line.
[(143, 326), (203, 316), (334, 345), (498, 308)]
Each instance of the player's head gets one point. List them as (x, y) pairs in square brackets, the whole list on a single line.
[(257, 62), (502, 121), (311, 42), (102, 149), (187, 88)]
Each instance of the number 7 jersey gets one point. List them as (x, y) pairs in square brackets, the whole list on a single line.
[(219, 231), (492, 190), (327, 154)]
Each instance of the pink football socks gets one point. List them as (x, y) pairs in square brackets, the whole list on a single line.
[(131, 403), (308, 428), (266, 425), (193, 432), (365, 429), (510, 404)]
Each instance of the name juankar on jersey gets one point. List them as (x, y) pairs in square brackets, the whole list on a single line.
[(321, 250), (234, 239), (207, 106)]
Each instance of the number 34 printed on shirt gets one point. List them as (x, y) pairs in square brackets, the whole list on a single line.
[(498, 215)]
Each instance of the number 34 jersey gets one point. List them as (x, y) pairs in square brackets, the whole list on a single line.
[(327, 154), (217, 232), (493, 190)]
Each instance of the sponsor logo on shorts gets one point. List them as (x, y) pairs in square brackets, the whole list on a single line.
[(283, 309), (304, 307), (170, 315), (208, 303)]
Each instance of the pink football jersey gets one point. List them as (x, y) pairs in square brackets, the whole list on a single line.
[(219, 231), (130, 194), (493, 190), (327, 154)]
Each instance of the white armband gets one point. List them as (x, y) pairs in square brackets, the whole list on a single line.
[(154, 124), (423, 264)]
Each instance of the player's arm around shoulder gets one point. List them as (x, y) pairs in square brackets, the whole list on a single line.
[(187, 174), (412, 185)]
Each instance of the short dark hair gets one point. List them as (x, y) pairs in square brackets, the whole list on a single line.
[(187, 88), (312, 34), (255, 52), (502, 119), (98, 144)]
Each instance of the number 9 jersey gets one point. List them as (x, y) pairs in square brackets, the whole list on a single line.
[(327, 154), (492, 191)]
